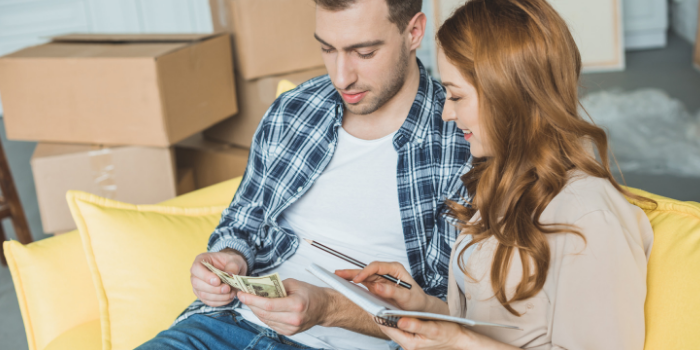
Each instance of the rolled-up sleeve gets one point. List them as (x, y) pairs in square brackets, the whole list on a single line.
[(240, 222), (601, 287)]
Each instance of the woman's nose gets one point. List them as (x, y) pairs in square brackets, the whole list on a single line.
[(448, 114)]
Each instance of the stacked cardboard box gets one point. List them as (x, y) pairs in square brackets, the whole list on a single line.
[(255, 97), (138, 94), (115, 115), (212, 162), (273, 41)]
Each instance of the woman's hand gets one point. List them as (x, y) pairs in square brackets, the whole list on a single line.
[(414, 334), (413, 299)]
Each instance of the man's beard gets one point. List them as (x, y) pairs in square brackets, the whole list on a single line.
[(396, 82)]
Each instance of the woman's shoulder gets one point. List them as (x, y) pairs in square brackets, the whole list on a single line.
[(599, 210), (584, 195)]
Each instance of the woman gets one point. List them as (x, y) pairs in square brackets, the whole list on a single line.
[(549, 243)]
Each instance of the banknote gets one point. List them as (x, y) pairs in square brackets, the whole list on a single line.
[(225, 277), (269, 286)]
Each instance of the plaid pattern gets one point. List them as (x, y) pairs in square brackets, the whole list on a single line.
[(294, 143)]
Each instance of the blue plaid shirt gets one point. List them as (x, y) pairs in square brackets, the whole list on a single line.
[(292, 146)]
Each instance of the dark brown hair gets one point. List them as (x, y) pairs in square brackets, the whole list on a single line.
[(525, 66), (400, 11)]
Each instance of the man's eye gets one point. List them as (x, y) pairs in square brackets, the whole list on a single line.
[(326, 50), (367, 56), (454, 99)]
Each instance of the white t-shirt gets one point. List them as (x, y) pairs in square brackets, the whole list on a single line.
[(353, 207)]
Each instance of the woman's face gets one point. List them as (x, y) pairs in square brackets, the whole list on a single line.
[(462, 106)]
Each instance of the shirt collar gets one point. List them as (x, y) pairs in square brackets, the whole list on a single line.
[(415, 128)]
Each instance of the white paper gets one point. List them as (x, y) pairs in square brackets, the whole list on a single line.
[(379, 307)]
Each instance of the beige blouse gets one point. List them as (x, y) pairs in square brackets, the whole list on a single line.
[(594, 294)]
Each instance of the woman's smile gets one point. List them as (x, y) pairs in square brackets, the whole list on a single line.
[(467, 134)]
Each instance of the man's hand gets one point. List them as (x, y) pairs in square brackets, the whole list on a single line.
[(207, 286), (305, 306)]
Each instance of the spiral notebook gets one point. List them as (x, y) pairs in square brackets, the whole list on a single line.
[(384, 313)]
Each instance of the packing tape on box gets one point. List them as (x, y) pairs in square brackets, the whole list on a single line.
[(103, 173)]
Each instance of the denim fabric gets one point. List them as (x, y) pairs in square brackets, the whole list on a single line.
[(225, 330)]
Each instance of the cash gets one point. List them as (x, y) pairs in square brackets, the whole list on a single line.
[(269, 286)]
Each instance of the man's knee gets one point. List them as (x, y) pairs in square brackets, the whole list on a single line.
[(198, 332)]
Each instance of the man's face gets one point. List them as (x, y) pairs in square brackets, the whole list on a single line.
[(365, 54)]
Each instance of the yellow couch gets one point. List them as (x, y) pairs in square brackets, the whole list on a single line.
[(60, 309), (55, 289)]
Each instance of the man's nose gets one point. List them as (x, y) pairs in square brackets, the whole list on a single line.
[(346, 75)]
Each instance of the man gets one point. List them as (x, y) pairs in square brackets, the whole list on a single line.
[(359, 160)]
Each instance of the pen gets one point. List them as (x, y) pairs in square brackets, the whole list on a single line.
[(354, 262)]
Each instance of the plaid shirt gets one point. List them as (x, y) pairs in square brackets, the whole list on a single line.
[(292, 146)]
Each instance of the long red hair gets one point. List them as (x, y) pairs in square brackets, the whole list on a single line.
[(525, 66)]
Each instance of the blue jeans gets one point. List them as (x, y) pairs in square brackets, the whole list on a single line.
[(219, 331)]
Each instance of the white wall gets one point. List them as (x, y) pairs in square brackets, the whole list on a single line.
[(684, 18), (646, 24), (30, 22), (596, 25), (426, 53)]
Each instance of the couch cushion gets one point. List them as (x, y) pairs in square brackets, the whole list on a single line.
[(86, 336), (49, 312), (53, 284), (219, 194), (673, 280), (139, 257)]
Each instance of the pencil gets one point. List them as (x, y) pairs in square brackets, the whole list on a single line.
[(355, 262)]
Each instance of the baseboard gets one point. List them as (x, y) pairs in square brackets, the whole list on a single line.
[(647, 39)]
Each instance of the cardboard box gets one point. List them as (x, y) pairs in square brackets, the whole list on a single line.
[(185, 181), (270, 36), (149, 90), (254, 99), (132, 174), (213, 162)]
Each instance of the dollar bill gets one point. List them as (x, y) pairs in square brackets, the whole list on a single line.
[(269, 286), (225, 277)]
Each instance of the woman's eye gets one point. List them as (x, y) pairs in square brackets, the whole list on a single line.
[(454, 99), (367, 56)]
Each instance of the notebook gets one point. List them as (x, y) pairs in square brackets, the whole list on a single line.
[(384, 313)]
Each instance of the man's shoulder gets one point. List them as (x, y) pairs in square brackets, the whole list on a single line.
[(437, 89), (310, 99), (316, 91), (321, 82)]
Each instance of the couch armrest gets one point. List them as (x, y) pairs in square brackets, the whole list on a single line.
[(54, 287)]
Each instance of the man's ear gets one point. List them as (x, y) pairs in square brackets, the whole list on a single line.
[(416, 30)]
